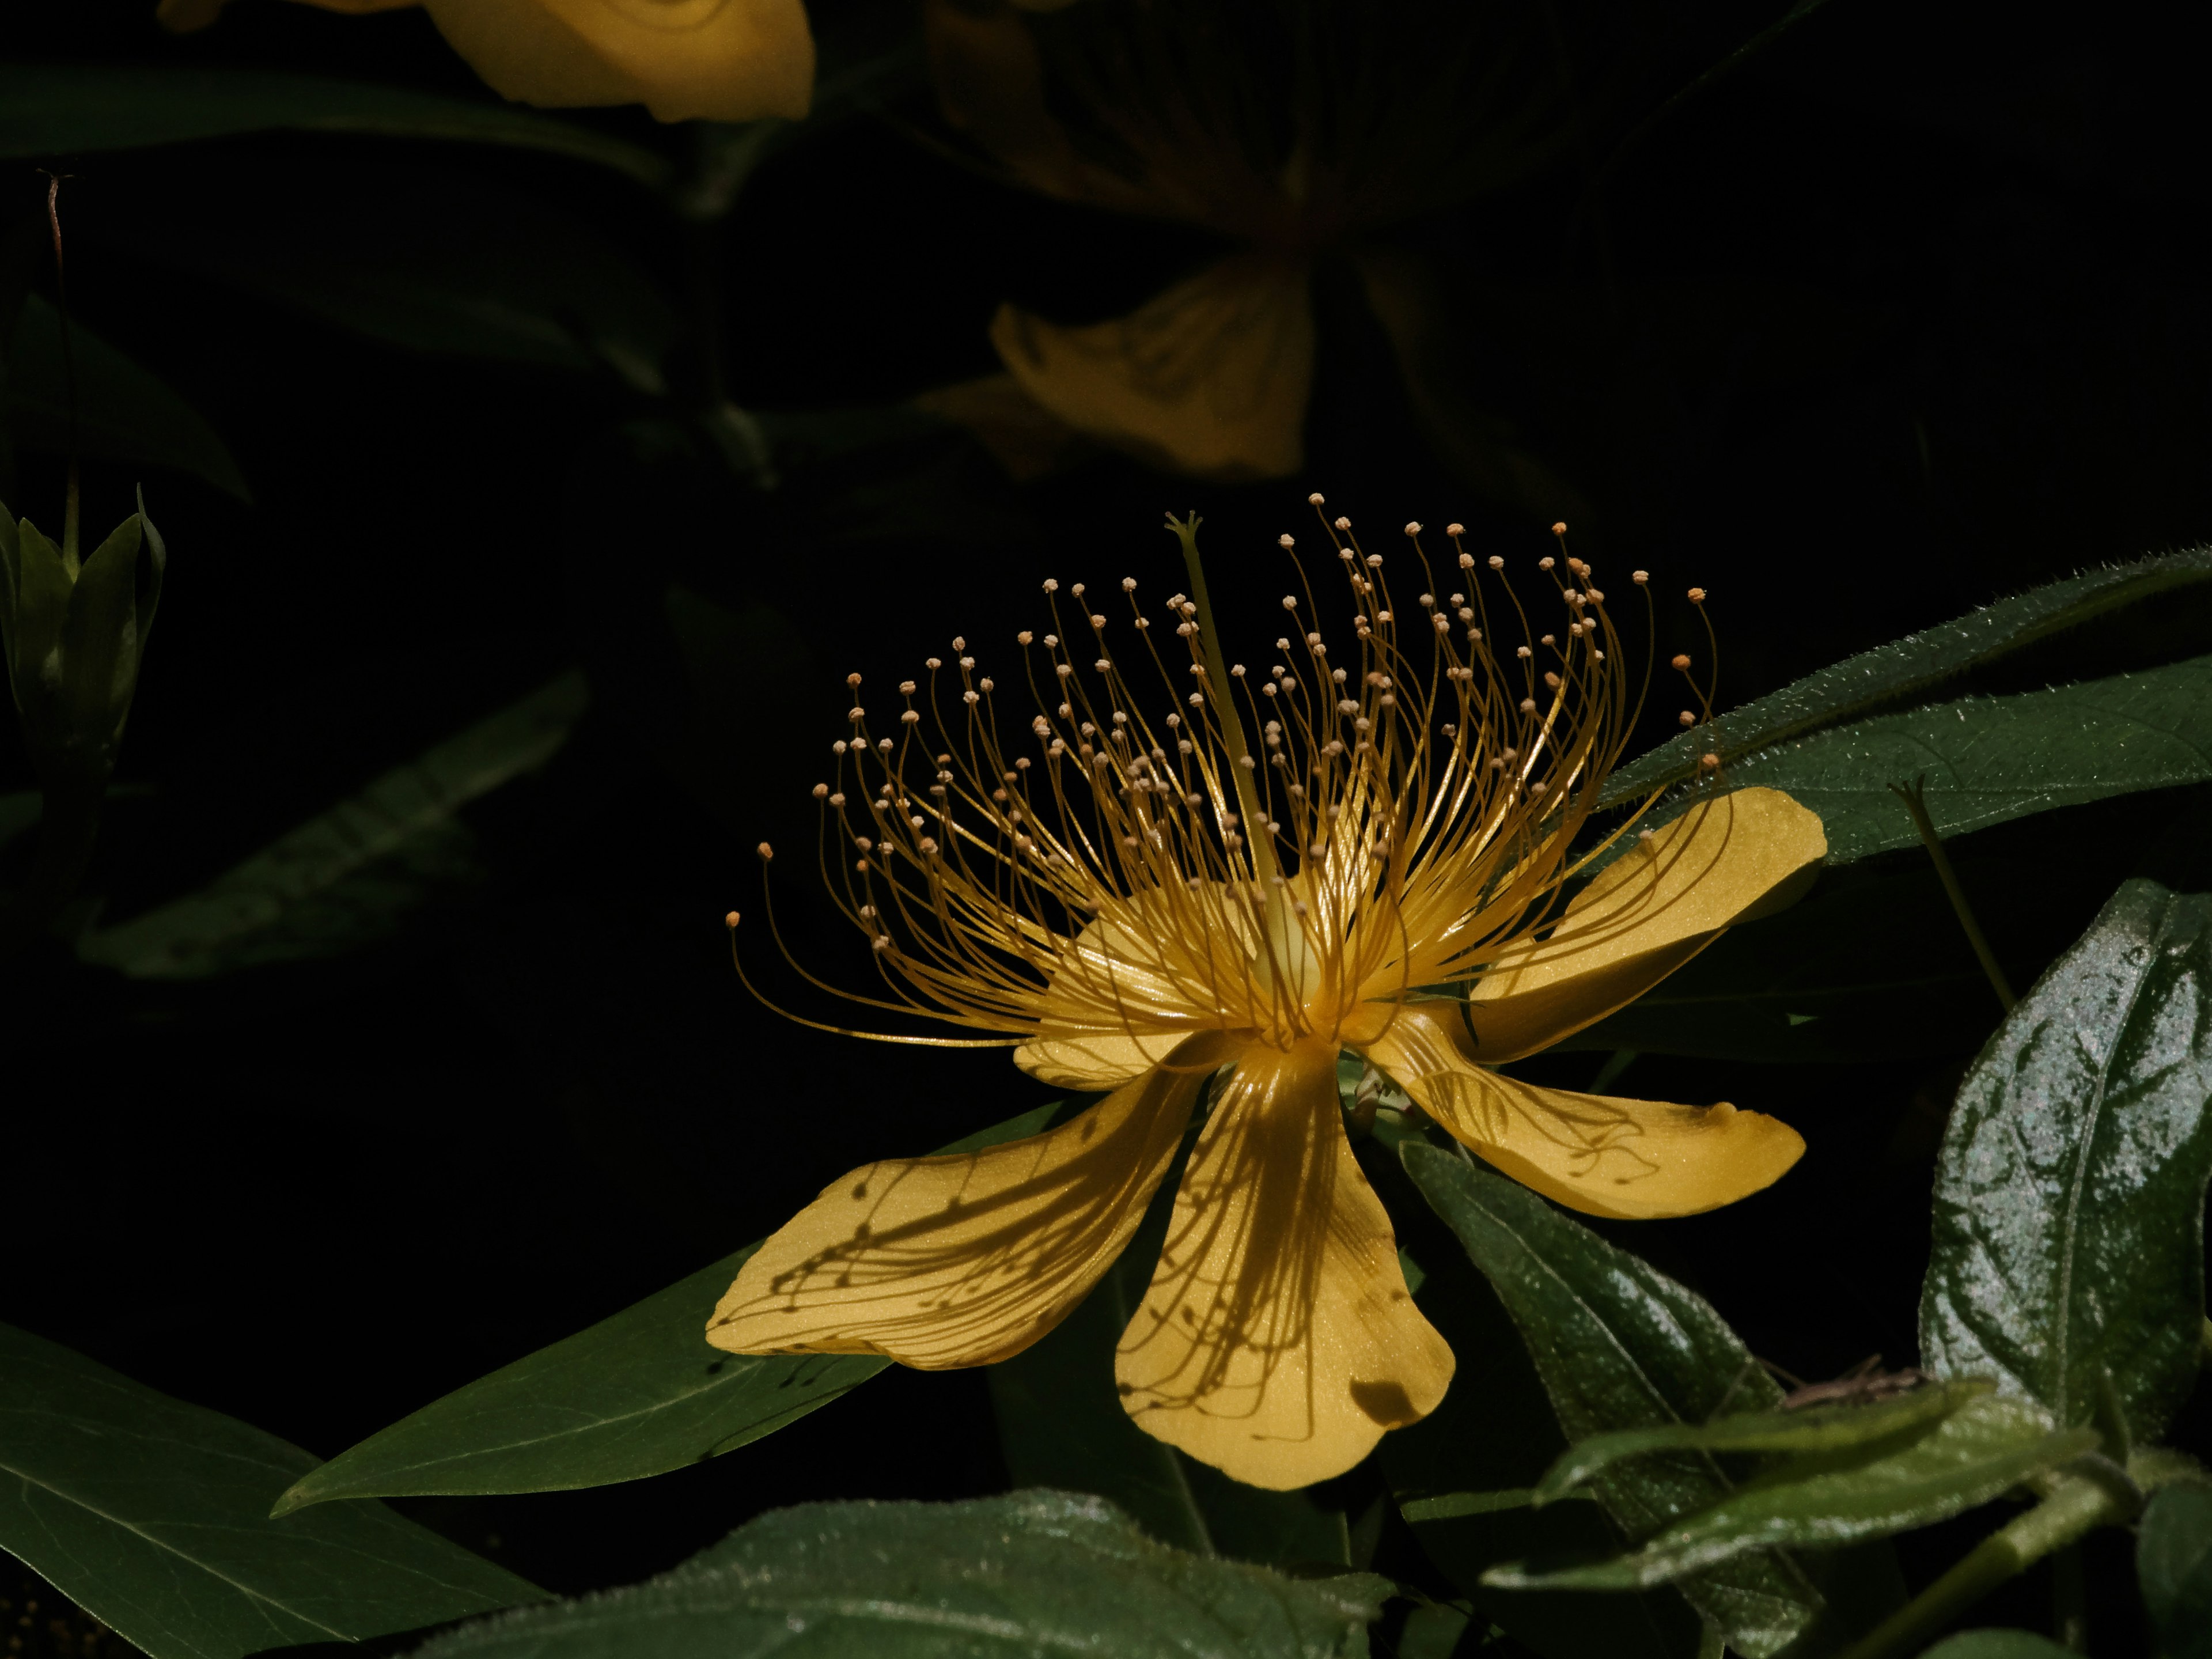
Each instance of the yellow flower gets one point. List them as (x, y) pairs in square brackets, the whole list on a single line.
[(1294, 130), (725, 60), (1140, 898)]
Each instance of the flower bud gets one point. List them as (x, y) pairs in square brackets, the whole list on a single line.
[(74, 632)]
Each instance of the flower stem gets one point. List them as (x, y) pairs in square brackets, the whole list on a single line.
[(1256, 834), (1916, 805), (2075, 1506)]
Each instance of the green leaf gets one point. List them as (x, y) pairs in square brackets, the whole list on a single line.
[(1816, 1429), (153, 1515), (638, 1394), (1998, 1645), (433, 260), (66, 109), (1620, 1346), (1061, 1425), (1931, 1467), (345, 875), (2069, 1197), (2173, 1565), (1462, 1475), (125, 412), (1908, 669), (1990, 759), (1030, 1573)]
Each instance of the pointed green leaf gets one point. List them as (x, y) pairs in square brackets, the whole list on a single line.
[(1620, 1346), (2173, 1565), (638, 1394), (125, 412), (1816, 1429), (1988, 760), (154, 1515), (1910, 668), (59, 109), (1031, 1573), (341, 876), (2069, 1197), (1926, 1469)]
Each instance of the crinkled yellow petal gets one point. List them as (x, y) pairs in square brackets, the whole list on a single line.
[(1276, 1341), (724, 60), (1210, 378), (940, 1263), (1634, 1159), (1728, 860)]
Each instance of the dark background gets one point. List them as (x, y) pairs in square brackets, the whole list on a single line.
[(1911, 313)]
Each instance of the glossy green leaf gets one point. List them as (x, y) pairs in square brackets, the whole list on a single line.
[(1062, 1425), (1989, 760), (1030, 1573), (1910, 668), (68, 109), (1998, 1645), (638, 1394), (154, 1515), (1818, 1429), (1462, 1475), (125, 412), (2069, 1196), (1620, 1346), (1926, 1469), (347, 875), (2173, 1565)]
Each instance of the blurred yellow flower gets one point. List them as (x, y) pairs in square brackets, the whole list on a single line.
[(723, 60), (1294, 130), (1278, 866)]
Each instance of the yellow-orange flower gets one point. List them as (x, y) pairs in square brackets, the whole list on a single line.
[(1359, 849), (726, 60)]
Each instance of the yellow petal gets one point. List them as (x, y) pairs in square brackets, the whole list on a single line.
[(1100, 1059), (1634, 1159), (946, 1262), (725, 60), (1210, 378), (1728, 860), (1276, 1341)]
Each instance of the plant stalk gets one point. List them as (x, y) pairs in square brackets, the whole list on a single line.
[(2075, 1506), (1917, 807)]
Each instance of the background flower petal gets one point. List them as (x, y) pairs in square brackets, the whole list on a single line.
[(940, 1263), (724, 60), (1209, 378), (1276, 1341), (1634, 1159), (1728, 860)]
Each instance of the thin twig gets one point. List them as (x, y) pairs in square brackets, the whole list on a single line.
[(1916, 805), (69, 362)]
